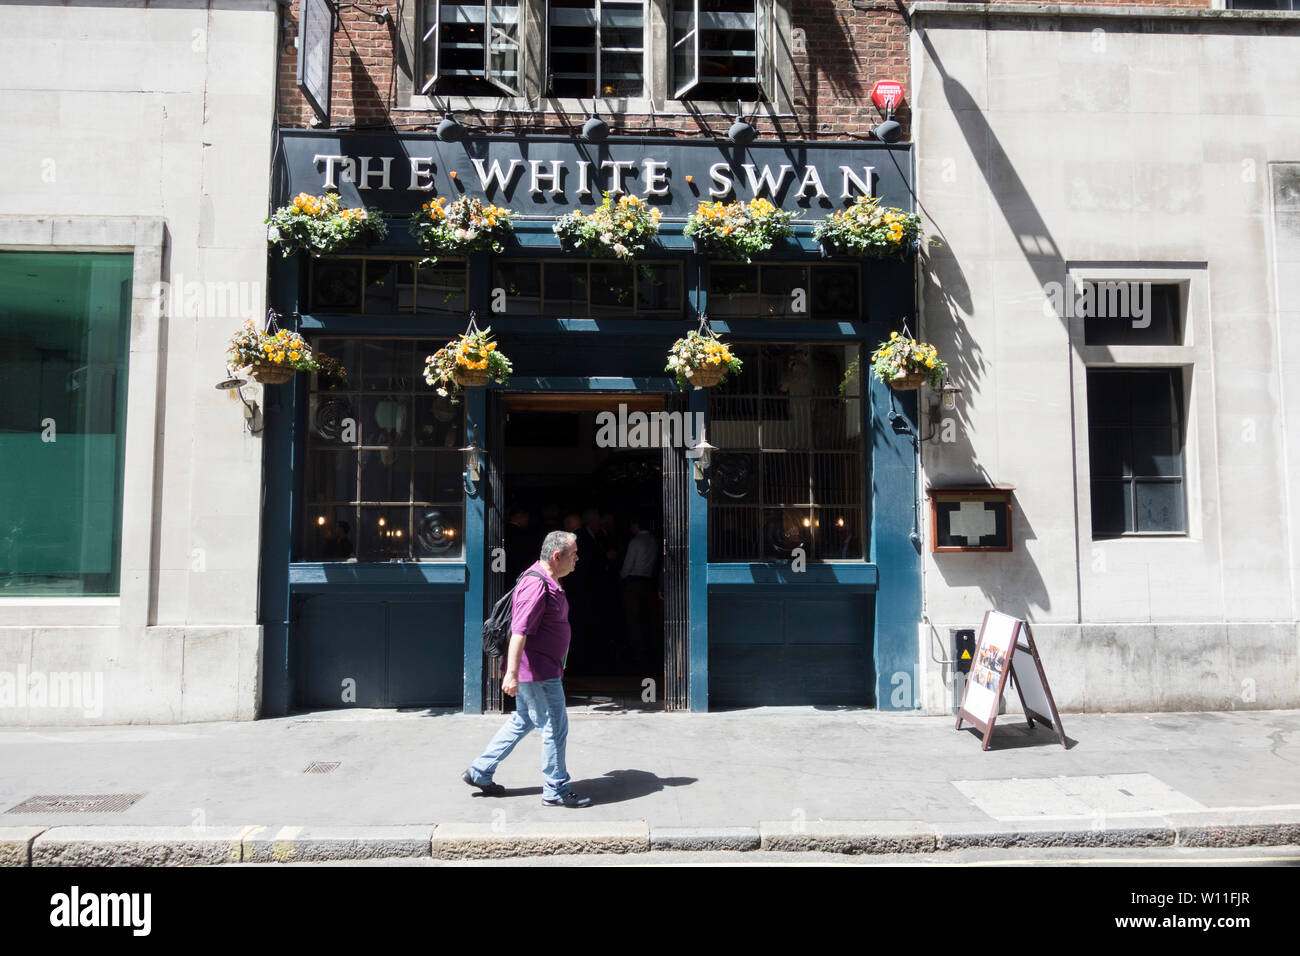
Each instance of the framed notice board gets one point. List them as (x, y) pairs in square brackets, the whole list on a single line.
[(970, 519)]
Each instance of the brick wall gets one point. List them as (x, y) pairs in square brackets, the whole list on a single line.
[(850, 44)]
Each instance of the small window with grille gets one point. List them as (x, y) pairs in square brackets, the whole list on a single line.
[(597, 48), (470, 48), (723, 49)]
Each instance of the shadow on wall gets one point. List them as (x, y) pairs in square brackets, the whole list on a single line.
[(1019, 584)]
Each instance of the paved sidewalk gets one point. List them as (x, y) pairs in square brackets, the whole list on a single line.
[(776, 778)]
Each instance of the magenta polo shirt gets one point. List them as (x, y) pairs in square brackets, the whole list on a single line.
[(540, 611)]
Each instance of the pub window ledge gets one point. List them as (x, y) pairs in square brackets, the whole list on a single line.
[(581, 109)]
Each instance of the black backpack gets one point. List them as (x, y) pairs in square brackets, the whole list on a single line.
[(496, 629)]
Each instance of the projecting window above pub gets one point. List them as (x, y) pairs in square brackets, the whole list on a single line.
[(723, 49), (1263, 4), (597, 47), (470, 48)]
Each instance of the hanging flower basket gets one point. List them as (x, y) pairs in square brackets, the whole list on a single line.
[(317, 225), (867, 230), (271, 355), (271, 374), (470, 378), (470, 360), (460, 227), (903, 363), (701, 359), (738, 230), (621, 229)]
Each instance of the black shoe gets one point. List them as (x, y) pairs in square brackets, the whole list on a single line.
[(489, 789), (568, 800)]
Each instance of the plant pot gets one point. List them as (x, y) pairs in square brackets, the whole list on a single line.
[(470, 377), (706, 375), (272, 374), (912, 380)]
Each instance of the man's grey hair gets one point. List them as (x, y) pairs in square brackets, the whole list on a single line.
[(556, 541)]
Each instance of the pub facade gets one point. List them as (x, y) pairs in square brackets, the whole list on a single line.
[(780, 502)]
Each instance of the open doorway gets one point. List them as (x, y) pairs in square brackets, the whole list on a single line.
[(558, 476)]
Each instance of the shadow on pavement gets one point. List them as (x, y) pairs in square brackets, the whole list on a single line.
[(619, 786)]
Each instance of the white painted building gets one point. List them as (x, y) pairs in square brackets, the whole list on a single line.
[(135, 141), (1155, 545)]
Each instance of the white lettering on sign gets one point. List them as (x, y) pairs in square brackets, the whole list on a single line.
[(720, 173), (766, 181), (971, 521), (548, 176), (421, 167), (656, 177), (811, 180), (385, 165), (619, 168), (863, 184), (553, 177), (332, 165), (494, 177)]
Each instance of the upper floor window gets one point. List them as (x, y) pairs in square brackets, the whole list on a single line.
[(1262, 4), (597, 47), (723, 49), (470, 48)]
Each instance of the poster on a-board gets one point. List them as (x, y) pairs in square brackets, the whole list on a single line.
[(1005, 649)]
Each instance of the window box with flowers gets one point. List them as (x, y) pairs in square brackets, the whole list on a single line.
[(738, 230), (316, 224), (460, 227), (470, 360), (620, 229), (865, 229)]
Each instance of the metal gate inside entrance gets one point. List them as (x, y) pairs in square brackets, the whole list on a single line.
[(669, 687)]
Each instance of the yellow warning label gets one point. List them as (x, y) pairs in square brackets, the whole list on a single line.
[(965, 655)]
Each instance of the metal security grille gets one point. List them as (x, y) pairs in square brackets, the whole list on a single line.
[(676, 691), (495, 583), (319, 766), (77, 803)]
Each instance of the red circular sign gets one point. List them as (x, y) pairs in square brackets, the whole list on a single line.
[(887, 94)]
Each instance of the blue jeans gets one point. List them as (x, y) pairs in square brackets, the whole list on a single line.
[(540, 705)]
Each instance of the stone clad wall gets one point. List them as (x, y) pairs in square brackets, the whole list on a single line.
[(1053, 144), (148, 129)]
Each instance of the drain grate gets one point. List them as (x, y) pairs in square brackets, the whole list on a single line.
[(322, 766), (77, 803)]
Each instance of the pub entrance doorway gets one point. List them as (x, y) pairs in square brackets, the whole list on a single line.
[(561, 467)]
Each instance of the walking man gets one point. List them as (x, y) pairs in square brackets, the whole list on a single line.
[(539, 642)]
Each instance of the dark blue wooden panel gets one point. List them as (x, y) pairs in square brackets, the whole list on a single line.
[(397, 651), (425, 654), (745, 621), (790, 649), (338, 640)]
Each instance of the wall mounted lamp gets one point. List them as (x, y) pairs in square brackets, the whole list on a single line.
[(701, 454), (449, 130), (251, 411), (473, 464)]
